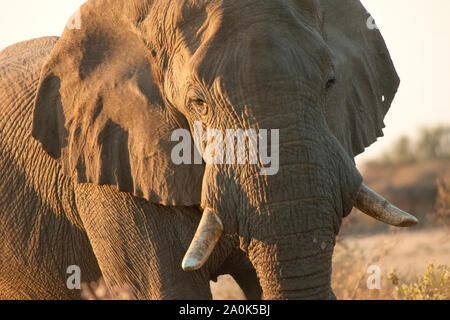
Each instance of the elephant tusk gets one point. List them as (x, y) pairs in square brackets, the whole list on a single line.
[(208, 233), (374, 205)]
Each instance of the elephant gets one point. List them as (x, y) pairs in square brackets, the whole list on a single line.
[(86, 125)]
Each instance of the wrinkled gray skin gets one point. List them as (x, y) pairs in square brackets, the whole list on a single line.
[(85, 127)]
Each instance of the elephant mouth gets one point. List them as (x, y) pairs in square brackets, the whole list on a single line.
[(211, 228)]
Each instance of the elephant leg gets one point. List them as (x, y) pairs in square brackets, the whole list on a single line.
[(249, 283), (238, 265), (141, 245), (40, 234)]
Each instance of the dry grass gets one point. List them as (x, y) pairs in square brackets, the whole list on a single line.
[(433, 285), (404, 255), (99, 291)]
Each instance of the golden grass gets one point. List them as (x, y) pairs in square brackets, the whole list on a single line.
[(404, 254), (99, 291)]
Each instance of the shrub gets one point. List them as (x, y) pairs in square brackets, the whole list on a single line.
[(433, 285)]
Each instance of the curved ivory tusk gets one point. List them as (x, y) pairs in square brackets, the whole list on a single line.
[(374, 205), (208, 233)]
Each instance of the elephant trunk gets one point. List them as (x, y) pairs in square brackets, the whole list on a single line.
[(293, 234), (300, 267)]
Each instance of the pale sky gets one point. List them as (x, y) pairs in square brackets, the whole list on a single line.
[(417, 34)]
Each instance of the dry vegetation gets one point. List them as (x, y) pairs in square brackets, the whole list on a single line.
[(405, 259), (99, 291)]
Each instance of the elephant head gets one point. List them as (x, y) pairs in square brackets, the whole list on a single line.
[(114, 90)]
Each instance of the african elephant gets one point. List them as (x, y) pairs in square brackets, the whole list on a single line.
[(88, 177)]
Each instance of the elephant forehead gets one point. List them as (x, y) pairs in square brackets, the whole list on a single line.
[(199, 21), (238, 12), (254, 47)]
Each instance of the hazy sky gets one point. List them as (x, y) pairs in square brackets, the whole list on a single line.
[(417, 33)]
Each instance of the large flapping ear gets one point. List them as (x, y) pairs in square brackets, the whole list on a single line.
[(100, 110), (366, 80)]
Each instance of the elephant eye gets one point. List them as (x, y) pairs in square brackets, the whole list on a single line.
[(331, 76), (330, 83), (198, 102), (199, 105)]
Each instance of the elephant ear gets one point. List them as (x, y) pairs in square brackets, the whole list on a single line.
[(366, 80), (100, 110)]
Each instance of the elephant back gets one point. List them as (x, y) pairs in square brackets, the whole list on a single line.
[(20, 68)]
